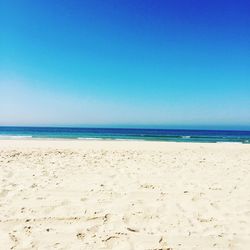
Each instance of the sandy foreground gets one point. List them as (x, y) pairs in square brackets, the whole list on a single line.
[(124, 195)]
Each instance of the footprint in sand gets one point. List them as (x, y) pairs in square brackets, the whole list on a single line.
[(14, 240), (80, 235), (4, 192)]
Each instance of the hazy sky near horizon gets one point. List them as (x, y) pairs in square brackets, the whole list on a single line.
[(128, 62)]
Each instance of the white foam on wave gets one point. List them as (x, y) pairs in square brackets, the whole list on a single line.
[(128, 139), (15, 136), (229, 142), (107, 139), (186, 137), (90, 138)]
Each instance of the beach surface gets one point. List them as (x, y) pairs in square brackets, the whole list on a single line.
[(65, 194)]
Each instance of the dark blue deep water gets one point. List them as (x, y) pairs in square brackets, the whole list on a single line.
[(176, 135)]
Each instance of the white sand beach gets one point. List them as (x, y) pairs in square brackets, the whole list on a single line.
[(124, 195)]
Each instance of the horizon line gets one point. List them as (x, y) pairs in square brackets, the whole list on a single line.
[(150, 127)]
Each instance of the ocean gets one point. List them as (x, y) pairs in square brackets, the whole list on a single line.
[(173, 135)]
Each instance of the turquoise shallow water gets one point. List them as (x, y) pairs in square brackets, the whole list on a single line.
[(213, 136)]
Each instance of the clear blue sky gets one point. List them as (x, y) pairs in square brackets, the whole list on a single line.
[(125, 63)]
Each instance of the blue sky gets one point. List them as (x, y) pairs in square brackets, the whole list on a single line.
[(125, 63)]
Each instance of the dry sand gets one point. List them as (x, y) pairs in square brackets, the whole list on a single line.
[(124, 195)]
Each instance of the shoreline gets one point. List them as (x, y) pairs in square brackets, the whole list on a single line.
[(30, 138)]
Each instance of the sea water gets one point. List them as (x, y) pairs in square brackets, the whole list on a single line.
[(174, 135)]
